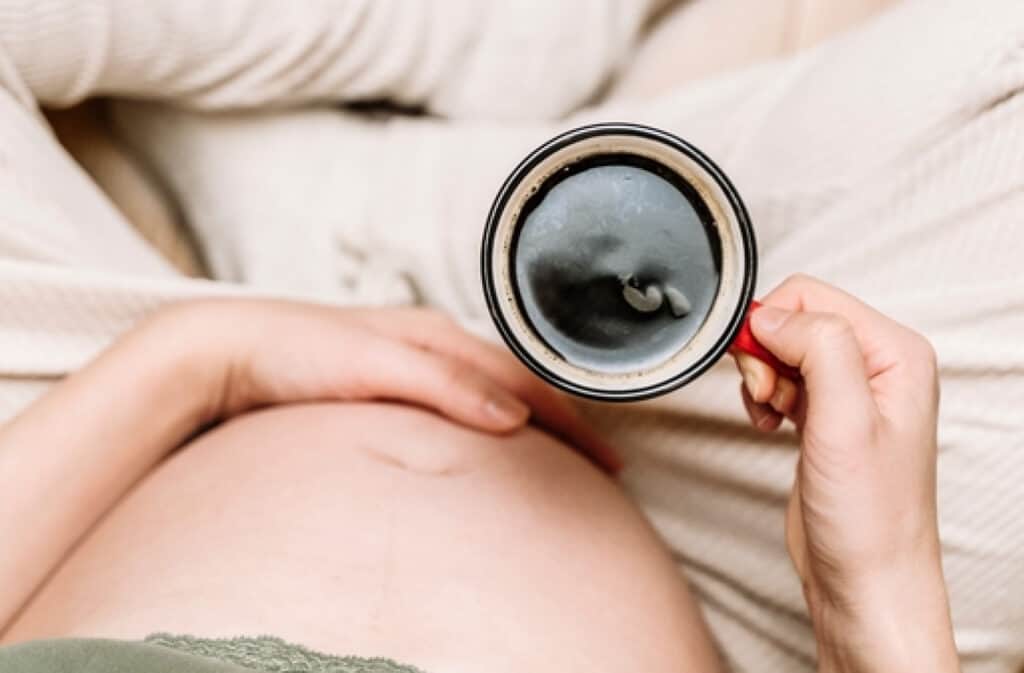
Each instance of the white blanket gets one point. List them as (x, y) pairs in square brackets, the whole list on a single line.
[(889, 161)]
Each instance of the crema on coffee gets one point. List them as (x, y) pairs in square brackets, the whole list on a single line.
[(616, 262)]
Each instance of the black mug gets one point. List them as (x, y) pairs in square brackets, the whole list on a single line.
[(619, 263)]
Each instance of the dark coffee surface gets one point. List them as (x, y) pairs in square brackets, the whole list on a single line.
[(616, 263)]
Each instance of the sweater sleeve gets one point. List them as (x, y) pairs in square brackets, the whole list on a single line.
[(460, 58)]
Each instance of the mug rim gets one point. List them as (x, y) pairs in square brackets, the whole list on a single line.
[(745, 231)]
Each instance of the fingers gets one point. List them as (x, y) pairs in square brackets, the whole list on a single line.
[(784, 399), (766, 388), (393, 370), (551, 409), (826, 350), (758, 376), (806, 293), (886, 344), (762, 416)]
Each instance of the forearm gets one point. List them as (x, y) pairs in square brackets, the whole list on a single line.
[(902, 624), (74, 453)]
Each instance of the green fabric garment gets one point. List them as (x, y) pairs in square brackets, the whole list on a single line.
[(163, 653)]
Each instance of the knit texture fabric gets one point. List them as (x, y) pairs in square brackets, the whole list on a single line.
[(164, 653), (273, 655), (888, 161)]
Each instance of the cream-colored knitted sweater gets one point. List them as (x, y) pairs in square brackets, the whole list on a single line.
[(889, 161)]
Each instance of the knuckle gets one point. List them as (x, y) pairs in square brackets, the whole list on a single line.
[(923, 355), (929, 357), (800, 280), (426, 321), (419, 313), (451, 373), (830, 328), (459, 378), (435, 319)]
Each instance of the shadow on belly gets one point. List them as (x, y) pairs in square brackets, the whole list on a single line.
[(376, 530)]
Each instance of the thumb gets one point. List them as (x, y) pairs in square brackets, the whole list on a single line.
[(825, 349)]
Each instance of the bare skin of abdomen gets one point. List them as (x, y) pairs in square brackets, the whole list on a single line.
[(382, 530)]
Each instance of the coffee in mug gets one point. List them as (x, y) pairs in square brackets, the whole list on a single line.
[(619, 262)]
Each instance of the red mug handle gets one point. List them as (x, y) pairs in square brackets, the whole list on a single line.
[(746, 343)]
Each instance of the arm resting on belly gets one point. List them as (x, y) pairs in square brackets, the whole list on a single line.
[(71, 456)]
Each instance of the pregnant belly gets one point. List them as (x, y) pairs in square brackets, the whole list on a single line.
[(379, 530)]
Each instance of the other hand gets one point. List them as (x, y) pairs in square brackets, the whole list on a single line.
[(263, 352), (861, 525)]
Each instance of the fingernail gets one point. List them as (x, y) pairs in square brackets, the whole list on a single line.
[(752, 381), (767, 318), (506, 410), (779, 396), (763, 418), (766, 421)]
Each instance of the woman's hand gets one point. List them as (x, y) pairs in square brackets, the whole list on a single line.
[(261, 353), (861, 524)]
